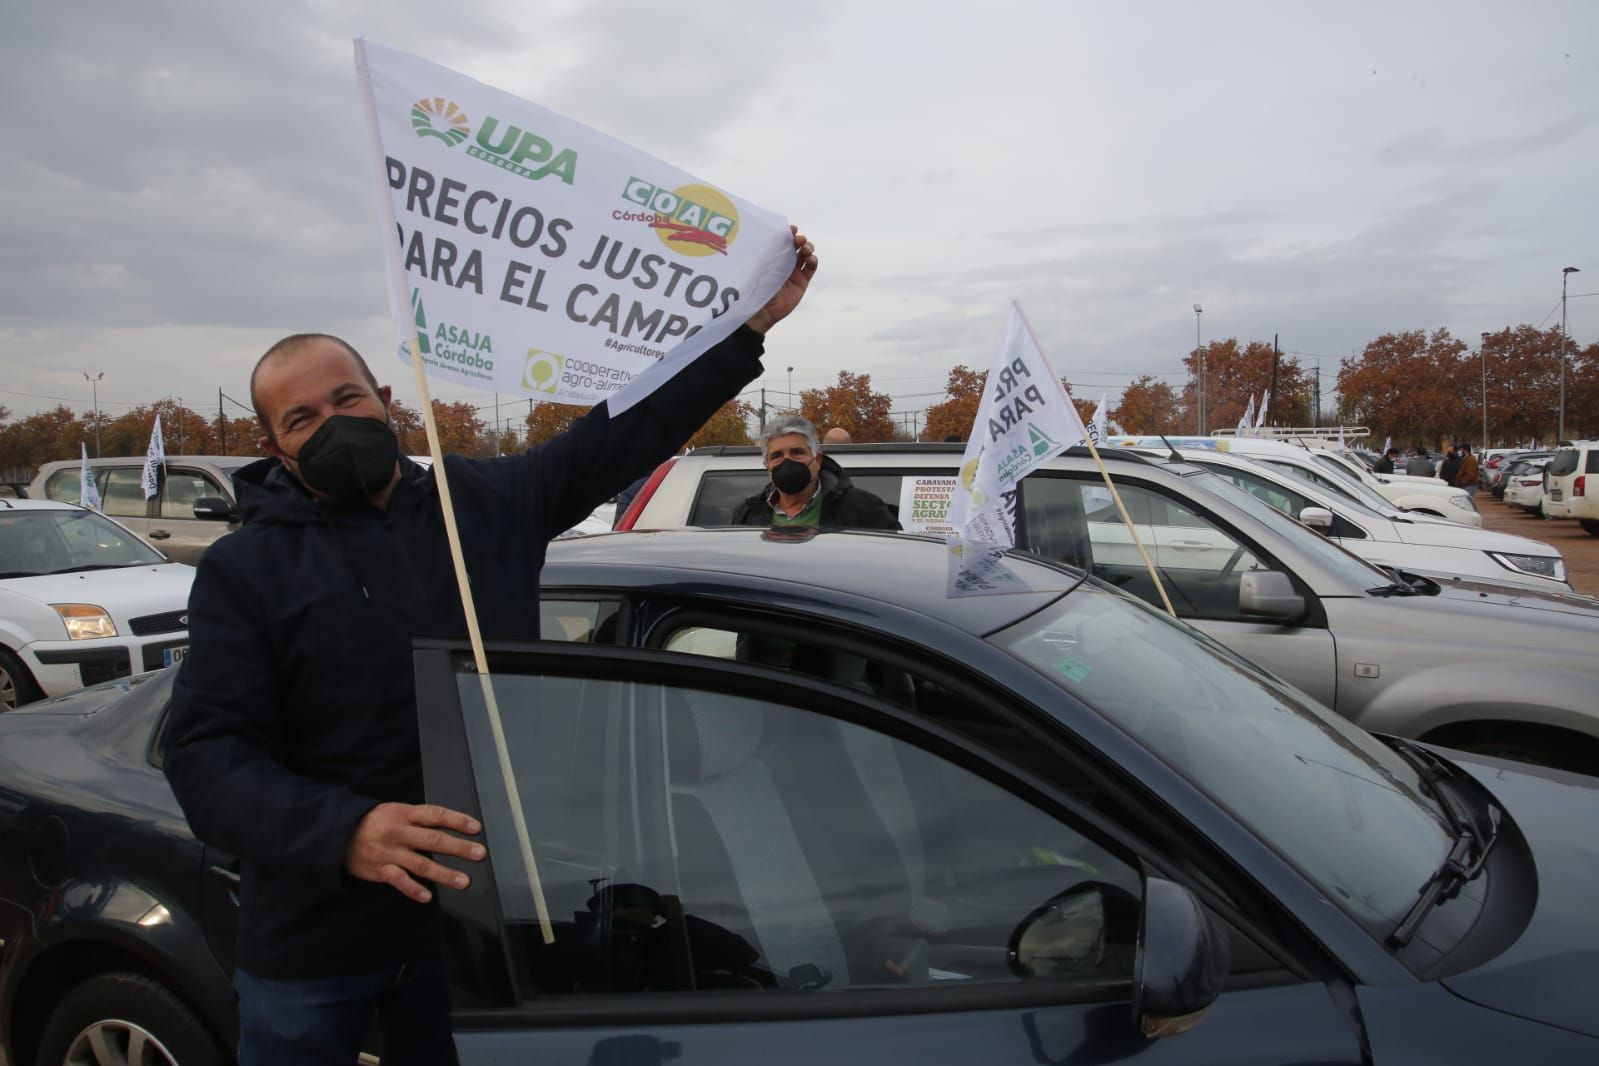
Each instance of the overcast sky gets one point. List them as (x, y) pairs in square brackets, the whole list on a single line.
[(186, 182)]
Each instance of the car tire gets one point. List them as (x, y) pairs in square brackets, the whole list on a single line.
[(136, 1015), (16, 684), (1590, 526)]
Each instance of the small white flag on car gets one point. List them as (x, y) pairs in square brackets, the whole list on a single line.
[(1247, 422), (1260, 415), (1096, 425), (1025, 420), (154, 456), (88, 495)]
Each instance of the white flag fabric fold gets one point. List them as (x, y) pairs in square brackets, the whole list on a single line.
[(530, 254), (1260, 415), (88, 495), (1096, 425), (154, 456), (1247, 421)]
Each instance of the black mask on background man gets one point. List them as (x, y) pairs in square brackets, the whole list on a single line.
[(348, 457), (791, 476)]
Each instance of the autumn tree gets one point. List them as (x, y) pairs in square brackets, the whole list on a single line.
[(461, 431), (1234, 374), (1582, 393), (1523, 368), (41, 437), (953, 416), (852, 405), (729, 425), (1147, 406), (550, 419), (1407, 386)]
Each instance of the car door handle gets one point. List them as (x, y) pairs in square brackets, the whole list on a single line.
[(230, 876), (1188, 545), (159, 534)]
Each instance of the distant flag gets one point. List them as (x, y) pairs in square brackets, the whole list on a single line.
[(1341, 448), (1260, 415), (154, 456), (1388, 442), (1247, 422), (88, 495), (1096, 425)]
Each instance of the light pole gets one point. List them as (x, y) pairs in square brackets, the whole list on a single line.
[(94, 388), (1199, 358), (1483, 351), (1560, 433), (791, 406)]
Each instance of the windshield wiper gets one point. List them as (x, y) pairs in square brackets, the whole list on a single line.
[(1467, 855), (94, 566)]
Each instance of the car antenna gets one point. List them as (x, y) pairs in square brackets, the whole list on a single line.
[(1174, 456)]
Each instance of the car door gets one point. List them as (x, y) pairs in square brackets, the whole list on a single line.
[(174, 528), (718, 862), (122, 497), (1066, 515)]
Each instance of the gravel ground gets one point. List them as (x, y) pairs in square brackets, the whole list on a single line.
[(1565, 535)]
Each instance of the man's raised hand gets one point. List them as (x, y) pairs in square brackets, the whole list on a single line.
[(392, 842), (793, 290)]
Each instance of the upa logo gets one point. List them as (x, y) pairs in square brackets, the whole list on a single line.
[(693, 220), (542, 371), (440, 118)]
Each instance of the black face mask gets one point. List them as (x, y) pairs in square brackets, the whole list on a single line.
[(791, 476), (349, 458)]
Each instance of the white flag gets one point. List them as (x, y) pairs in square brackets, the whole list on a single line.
[(531, 254), (1388, 442), (88, 495), (154, 456), (1025, 419), (1260, 415), (1247, 422), (1340, 440), (1096, 425)]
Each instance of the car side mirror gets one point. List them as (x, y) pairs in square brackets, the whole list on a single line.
[(1181, 962), (1318, 518), (1270, 594), (214, 509)]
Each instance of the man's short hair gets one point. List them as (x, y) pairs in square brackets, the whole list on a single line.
[(287, 347), (837, 435), (788, 424)]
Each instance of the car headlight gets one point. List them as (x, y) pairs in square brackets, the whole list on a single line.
[(1464, 502), (1550, 566), (85, 621)]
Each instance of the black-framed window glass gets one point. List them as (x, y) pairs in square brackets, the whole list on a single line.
[(692, 840)]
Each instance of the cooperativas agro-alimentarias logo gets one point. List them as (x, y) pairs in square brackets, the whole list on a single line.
[(694, 220), (508, 147)]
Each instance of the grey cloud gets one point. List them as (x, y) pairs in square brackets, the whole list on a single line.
[(1434, 146)]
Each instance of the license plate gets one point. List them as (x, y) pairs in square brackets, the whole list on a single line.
[(1554, 494), (173, 655)]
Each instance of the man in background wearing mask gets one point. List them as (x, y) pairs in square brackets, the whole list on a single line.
[(292, 741), (808, 488)]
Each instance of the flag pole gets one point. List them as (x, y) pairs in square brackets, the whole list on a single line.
[(1121, 508), (435, 450)]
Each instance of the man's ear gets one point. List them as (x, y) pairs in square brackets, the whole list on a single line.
[(270, 446), (386, 394)]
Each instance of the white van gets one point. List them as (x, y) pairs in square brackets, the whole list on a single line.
[(1567, 491)]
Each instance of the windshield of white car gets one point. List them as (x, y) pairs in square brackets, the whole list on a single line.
[(1349, 813), (37, 543), (1351, 568), (1350, 481)]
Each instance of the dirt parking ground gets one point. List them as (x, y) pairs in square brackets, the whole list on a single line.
[(1580, 549)]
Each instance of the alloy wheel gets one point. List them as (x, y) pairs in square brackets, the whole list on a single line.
[(117, 1043)]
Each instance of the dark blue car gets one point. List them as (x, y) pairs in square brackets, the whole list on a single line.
[(773, 798)]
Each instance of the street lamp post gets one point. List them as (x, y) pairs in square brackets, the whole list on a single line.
[(94, 389), (1199, 358), (1483, 351), (791, 406), (1560, 433)]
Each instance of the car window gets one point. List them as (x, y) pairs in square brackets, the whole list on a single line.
[(181, 488), (696, 840), (720, 493), (1285, 499), (1564, 462), (584, 621), (64, 486), (1073, 520), (50, 542), (1344, 808), (122, 495)]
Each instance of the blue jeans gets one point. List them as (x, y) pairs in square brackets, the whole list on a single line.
[(323, 1020)]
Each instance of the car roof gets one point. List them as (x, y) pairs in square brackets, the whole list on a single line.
[(834, 570), (29, 504)]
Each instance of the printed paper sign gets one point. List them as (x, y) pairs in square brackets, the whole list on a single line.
[(924, 505), (536, 256)]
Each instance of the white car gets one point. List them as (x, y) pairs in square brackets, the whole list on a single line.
[(82, 600), (1525, 488), (1569, 493), (1389, 537), (1429, 495)]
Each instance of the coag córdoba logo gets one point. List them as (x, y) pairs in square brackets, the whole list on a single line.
[(440, 118)]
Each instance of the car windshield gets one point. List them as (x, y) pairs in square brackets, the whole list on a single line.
[(1350, 481), (1345, 810), (33, 543), (1328, 554)]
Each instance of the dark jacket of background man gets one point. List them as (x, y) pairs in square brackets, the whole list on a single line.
[(843, 505), (295, 711)]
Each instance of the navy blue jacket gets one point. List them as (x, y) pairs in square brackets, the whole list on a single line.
[(294, 712)]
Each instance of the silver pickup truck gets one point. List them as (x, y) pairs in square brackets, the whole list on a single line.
[(1458, 662)]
